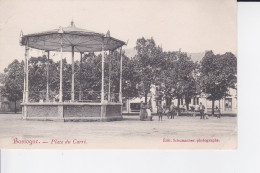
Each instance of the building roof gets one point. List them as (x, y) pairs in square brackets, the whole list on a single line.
[(83, 40)]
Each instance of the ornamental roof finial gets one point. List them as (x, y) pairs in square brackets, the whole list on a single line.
[(72, 24)]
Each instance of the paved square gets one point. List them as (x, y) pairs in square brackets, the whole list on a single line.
[(179, 133)]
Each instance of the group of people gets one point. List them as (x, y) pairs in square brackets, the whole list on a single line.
[(145, 112), (202, 112), (170, 111)]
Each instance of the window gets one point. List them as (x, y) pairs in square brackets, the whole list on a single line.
[(228, 104), (135, 107), (196, 101)]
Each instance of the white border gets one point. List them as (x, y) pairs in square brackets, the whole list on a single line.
[(245, 159)]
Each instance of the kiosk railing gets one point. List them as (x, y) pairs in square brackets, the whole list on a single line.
[(79, 96)]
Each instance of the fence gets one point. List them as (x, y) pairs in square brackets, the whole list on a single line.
[(79, 96)]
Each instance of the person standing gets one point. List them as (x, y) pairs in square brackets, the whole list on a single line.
[(218, 112), (149, 113), (172, 110), (160, 112), (165, 110), (142, 111), (202, 110)]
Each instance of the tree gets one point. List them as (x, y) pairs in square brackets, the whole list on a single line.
[(148, 64), (191, 86), (13, 81), (166, 81), (190, 90), (37, 77), (218, 75), (179, 80), (131, 77)]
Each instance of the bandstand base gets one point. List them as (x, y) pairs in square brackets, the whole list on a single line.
[(72, 111)]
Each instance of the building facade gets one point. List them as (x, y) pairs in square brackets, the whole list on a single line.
[(227, 105)]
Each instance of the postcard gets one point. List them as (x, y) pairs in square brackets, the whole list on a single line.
[(118, 74)]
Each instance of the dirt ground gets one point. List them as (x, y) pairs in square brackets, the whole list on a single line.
[(180, 133)]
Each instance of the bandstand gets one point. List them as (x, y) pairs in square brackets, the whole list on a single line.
[(71, 39)]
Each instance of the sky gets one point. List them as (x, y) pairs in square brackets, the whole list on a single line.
[(192, 25)]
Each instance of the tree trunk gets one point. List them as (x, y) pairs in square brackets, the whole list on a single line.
[(213, 106), (145, 98), (168, 101), (15, 107), (187, 102), (178, 107)]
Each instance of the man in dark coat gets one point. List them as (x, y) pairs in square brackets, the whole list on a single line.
[(202, 110), (172, 110), (160, 112)]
